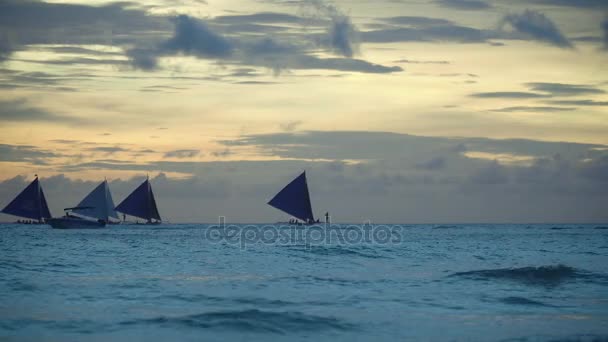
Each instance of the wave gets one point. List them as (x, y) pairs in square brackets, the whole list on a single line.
[(542, 275), (338, 250), (601, 227), (447, 227), (251, 321), (523, 301), (254, 301)]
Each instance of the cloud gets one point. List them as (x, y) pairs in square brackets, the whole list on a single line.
[(590, 103), (437, 163), (343, 36), (222, 154), (508, 95), (561, 89), (590, 4), (74, 24), (182, 154), (261, 17), (107, 149), (442, 33), (416, 21), (535, 25), (605, 33), (143, 59), (464, 4), (193, 37), (6, 48), (25, 153), (491, 174), (21, 111), (410, 61), (530, 109)]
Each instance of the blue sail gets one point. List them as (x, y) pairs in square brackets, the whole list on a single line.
[(30, 203), (140, 203), (99, 203), (294, 199)]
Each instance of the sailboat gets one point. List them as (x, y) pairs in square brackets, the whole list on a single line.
[(94, 211), (30, 203), (294, 200), (141, 203)]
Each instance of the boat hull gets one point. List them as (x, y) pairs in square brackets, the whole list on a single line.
[(74, 223)]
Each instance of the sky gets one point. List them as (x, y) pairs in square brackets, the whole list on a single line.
[(400, 111)]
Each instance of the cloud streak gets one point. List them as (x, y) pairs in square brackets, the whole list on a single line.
[(537, 26), (464, 4)]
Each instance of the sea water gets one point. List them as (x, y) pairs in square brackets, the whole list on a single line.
[(401, 282)]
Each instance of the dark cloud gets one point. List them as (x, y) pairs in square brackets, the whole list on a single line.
[(509, 95), (6, 47), (416, 21), (77, 61), (464, 4), (20, 111), (437, 163), (261, 17), (182, 154), (447, 33), (562, 89), (530, 109), (605, 34), (537, 26), (144, 59), (381, 145), (341, 64), (25, 153), (66, 141), (193, 37), (590, 103), (107, 149), (490, 174), (75, 24), (222, 154), (596, 169), (342, 36), (590, 4)]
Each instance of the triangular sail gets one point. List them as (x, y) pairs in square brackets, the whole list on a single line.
[(140, 203), (294, 199), (30, 203), (99, 202)]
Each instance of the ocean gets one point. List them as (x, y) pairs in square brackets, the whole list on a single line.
[(196, 282)]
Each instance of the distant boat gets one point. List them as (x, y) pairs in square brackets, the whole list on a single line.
[(94, 211), (294, 200), (141, 203), (30, 203)]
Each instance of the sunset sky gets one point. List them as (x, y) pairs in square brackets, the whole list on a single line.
[(399, 110)]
